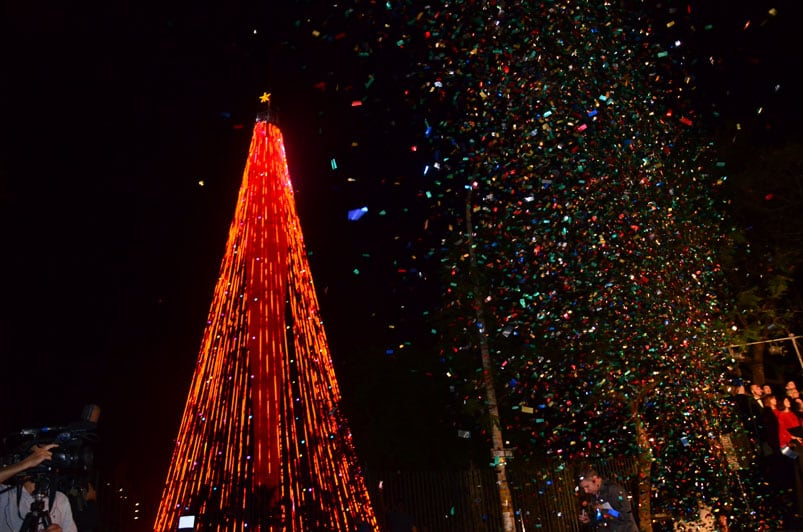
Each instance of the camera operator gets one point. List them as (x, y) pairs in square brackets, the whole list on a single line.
[(16, 500)]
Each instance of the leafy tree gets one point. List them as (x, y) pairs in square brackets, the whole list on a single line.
[(583, 213), (763, 258)]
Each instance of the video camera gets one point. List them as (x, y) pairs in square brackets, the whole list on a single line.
[(74, 454)]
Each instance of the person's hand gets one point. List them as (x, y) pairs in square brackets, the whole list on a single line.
[(39, 453)]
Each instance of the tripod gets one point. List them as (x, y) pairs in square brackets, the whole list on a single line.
[(38, 515)]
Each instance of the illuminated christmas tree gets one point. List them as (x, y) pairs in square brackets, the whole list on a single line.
[(263, 444)]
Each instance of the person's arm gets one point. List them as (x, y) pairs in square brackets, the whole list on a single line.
[(39, 453), (620, 504)]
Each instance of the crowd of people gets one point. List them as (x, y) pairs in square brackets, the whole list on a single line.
[(774, 420)]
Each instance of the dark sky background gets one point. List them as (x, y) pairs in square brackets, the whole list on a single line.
[(111, 248), (114, 112)]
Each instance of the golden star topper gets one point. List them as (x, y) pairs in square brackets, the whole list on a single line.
[(265, 98)]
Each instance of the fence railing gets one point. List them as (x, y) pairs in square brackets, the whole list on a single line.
[(443, 501), (545, 499)]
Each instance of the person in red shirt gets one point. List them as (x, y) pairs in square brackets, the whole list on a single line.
[(788, 477), (787, 421)]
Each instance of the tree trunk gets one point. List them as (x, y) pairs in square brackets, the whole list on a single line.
[(644, 499), (498, 452), (756, 363)]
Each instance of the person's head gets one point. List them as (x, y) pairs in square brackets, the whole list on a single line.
[(770, 401), (766, 389), (29, 484), (590, 482), (785, 403), (791, 386), (755, 390)]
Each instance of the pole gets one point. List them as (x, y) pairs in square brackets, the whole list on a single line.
[(498, 452), (797, 349), (792, 337)]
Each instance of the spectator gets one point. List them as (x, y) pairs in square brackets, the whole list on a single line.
[(788, 477), (85, 507), (791, 390), (757, 393), (788, 424), (749, 408), (766, 390)]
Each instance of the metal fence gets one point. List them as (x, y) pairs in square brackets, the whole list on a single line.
[(442, 501), (544, 499), (548, 498)]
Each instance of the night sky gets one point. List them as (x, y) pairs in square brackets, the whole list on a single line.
[(113, 116)]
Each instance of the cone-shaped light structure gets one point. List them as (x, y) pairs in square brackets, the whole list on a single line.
[(263, 444)]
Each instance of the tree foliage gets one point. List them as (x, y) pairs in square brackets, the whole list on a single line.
[(565, 133), (763, 259)]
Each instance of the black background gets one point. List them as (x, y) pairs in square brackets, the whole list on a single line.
[(114, 113)]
